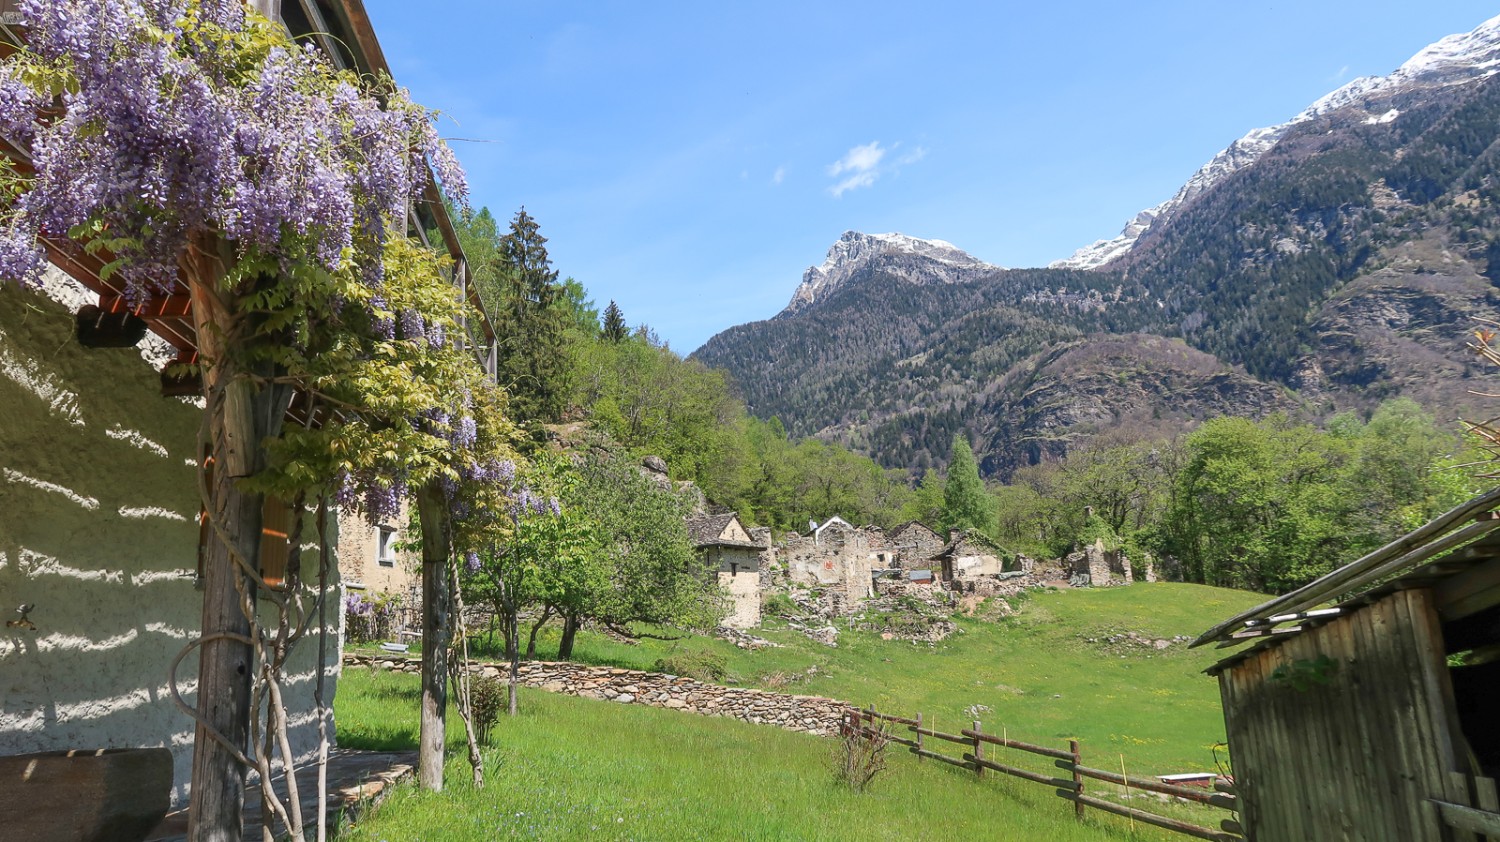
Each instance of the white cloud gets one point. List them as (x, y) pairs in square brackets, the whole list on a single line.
[(778, 176), (859, 159), (863, 165)]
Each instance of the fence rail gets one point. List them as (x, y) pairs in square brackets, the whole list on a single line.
[(1069, 760)]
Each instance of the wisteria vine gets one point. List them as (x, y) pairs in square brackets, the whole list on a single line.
[(149, 120)]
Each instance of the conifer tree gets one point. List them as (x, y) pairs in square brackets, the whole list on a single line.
[(614, 324), (530, 324), (966, 503)]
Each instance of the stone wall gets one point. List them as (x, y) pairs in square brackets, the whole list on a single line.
[(836, 557), (743, 588), (811, 714)]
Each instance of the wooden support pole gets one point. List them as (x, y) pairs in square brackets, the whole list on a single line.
[(978, 751), (918, 729), (1077, 778), (240, 418), (432, 512)]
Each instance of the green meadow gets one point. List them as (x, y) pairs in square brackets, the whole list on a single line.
[(578, 768)]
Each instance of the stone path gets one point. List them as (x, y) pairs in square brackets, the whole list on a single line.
[(356, 779)]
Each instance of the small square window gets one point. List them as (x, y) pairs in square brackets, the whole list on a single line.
[(385, 552)]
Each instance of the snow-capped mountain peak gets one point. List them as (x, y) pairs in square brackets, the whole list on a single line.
[(1452, 60), (854, 250)]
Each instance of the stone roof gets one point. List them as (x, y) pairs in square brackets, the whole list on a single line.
[(905, 526), (706, 529), (969, 536)]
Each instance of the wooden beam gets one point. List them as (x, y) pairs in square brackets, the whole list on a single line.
[(1459, 817), (178, 306), (1408, 549), (1470, 592)]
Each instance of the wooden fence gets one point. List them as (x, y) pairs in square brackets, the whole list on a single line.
[(1069, 785)]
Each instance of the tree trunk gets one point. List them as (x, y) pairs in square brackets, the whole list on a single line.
[(432, 511), (570, 630), (513, 649), (240, 418), (536, 627)]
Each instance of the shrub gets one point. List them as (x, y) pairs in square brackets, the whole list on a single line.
[(779, 605), (702, 665), (487, 697), (859, 754)]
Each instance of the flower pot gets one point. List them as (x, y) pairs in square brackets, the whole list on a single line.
[(116, 794)]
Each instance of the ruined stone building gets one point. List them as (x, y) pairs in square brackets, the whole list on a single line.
[(1095, 566), (837, 556), (735, 556), (969, 554), (915, 544)]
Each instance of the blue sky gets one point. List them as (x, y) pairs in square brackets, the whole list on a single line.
[(690, 160)]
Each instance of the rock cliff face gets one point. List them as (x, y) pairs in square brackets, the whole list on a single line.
[(915, 260), (1063, 396)]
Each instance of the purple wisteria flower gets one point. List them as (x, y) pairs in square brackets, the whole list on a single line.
[(163, 138)]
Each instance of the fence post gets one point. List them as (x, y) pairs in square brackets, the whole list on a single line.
[(1077, 778), (978, 750), (920, 758)]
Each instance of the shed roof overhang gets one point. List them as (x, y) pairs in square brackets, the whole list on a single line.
[(342, 29), (1457, 555)]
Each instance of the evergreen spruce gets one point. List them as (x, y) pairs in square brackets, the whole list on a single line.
[(966, 503), (614, 324), (529, 325)]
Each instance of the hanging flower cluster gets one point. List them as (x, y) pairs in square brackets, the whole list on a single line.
[(148, 121)]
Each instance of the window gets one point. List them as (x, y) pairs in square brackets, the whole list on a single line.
[(385, 549)]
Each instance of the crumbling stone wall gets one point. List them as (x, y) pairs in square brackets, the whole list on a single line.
[(811, 714), (916, 545), (837, 557)]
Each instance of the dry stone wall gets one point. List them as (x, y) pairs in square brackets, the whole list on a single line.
[(811, 714)]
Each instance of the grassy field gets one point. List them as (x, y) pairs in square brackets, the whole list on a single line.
[(1036, 671), (571, 768)]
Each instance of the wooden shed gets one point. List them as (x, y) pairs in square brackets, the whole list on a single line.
[(1365, 706)]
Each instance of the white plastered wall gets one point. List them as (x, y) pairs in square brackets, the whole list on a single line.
[(98, 508)]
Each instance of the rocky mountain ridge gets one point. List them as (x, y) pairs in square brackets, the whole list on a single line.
[(1329, 263), (1453, 60), (917, 260)]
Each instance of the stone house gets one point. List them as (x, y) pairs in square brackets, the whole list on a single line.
[(735, 557), (969, 554), (839, 557), (915, 544), (1096, 566), (373, 563)]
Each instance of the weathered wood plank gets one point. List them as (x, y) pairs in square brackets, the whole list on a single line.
[(1201, 796), (887, 717), (1469, 819), (1342, 579), (1024, 774), (1017, 744), (1182, 827), (922, 752), (952, 738)]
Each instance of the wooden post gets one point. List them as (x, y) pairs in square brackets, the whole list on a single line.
[(978, 750), (240, 418), (432, 512), (919, 737), (1077, 778)]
